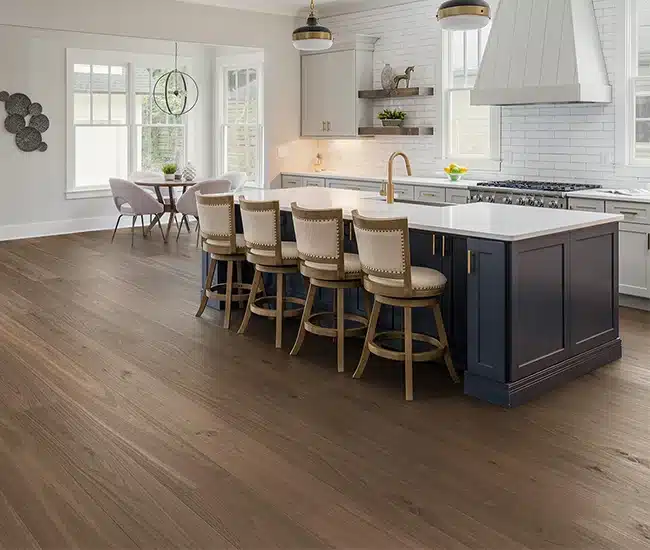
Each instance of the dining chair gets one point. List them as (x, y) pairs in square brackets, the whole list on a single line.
[(237, 180), (132, 200), (187, 204)]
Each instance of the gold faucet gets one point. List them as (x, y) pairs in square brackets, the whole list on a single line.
[(390, 188)]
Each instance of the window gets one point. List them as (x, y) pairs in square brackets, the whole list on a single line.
[(639, 105), (115, 127), (241, 119), (471, 132)]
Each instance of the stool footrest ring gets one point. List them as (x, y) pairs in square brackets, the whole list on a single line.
[(313, 326), (258, 307), (376, 348)]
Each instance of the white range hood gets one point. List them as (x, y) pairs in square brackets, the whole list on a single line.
[(543, 51)]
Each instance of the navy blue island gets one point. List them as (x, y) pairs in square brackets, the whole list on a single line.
[(532, 294)]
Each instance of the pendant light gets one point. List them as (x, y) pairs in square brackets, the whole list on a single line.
[(176, 93), (312, 37), (463, 15)]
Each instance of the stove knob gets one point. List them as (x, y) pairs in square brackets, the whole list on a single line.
[(479, 198), (492, 198), (554, 204), (521, 201), (530, 201), (507, 200), (539, 203)]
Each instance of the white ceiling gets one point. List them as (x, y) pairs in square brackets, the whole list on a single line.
[(296, 7)]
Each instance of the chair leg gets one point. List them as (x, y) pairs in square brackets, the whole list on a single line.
[(340, 330), (370, 335), (162, 231), (208, 285), (367, 302), (179, 228), (144, 233), (231, 266), (408, 353), (279, 310), (240, 280), (187, 223), (198, 235), (116, 226), (251, 300), (309, 304), (133, 230), (442, 336)]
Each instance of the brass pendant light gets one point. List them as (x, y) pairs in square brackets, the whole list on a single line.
[(312, 37), (463, 15)]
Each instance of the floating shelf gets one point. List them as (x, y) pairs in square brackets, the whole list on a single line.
[(395, 131), (400, 92)]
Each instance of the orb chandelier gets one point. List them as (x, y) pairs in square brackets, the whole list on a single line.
[(463, 15), (312, 37), (176, 93)]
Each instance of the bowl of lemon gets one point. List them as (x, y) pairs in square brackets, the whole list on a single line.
[(455, 172)]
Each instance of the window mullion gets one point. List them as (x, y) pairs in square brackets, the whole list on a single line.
[(131, 118), (90, 95)]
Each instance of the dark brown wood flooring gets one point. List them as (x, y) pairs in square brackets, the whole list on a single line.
[(125, 422)]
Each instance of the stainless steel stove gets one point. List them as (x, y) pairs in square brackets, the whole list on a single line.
[(527, 193)]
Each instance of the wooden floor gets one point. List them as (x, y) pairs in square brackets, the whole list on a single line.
[(125, 422)]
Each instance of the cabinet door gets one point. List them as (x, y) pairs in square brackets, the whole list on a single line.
[(340, 88), (314, 96), (634, 241)]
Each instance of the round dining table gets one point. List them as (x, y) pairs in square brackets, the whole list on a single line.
[(158, 185)]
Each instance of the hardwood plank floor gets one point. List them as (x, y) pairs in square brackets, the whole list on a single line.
[(127, 423)]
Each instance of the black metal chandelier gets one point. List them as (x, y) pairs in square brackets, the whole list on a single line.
[(176, 93)]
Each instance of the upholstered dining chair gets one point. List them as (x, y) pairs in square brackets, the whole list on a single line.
[(237, 181), (131, 200), (187, 204)]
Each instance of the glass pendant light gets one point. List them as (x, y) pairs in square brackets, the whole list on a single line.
[(463, 15), (312, 37)]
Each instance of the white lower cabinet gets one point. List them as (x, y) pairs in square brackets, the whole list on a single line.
[(634, 259), (313, 182), (291, 181), (457, 196), (355, 185)]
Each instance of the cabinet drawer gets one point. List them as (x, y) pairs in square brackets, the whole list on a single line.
[(354, 185), (635, 212), (313, 182), (457, 196), (291, 181), (404, 192), (587, 205), (430, 194)]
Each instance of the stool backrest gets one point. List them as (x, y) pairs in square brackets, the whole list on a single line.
[(217, 215), (319, 237), (261, 221), (384, 248), (186, 204)]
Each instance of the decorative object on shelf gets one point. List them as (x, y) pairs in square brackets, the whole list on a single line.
[(455, 172), (170, 171), (318, 165), (388, 78), (312, 37), (406, 77), (389, 117), (176, 93), (189, 172), (29, 135), (463, 15)]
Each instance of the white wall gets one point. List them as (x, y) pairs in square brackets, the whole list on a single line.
[(36, 66), (550, 142)]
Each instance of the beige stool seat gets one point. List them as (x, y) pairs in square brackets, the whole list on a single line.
[(217, 247), (289, 252), (351, 267), (385, 256)]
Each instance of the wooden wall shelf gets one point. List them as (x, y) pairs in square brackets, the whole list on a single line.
[(395, 131), (400, 92)]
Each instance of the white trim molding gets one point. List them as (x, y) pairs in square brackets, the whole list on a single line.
[(58, 227)]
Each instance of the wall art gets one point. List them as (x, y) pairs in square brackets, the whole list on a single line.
[(26, 121)]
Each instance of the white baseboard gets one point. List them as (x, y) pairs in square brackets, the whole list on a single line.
[(634, 302)]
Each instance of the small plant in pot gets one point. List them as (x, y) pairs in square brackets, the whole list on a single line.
[(170, 171), (389, 117)]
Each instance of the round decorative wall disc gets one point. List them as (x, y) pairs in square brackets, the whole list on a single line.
[(28, 139), (14, 123), (18, 104)]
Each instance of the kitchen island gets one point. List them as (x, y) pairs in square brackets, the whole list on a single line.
[(532, 294)]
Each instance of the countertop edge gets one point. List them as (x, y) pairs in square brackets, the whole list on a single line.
[(405, 180)]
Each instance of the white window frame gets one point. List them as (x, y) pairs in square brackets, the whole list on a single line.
[(490, 163), (110, 58), (224, 64), (628, 82)]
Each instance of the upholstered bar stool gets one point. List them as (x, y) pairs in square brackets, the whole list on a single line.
[(269, 254), (221, 241), (320, 239), (386, 263)]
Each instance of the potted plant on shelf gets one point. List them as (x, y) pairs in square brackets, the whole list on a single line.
[(170, 171), (391, 117)]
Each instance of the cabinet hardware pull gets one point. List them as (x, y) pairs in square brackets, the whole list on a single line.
[(444, 246), (648, 241), (329, 126), (323, 123), (469, 262), (628, 213), (434, 243)]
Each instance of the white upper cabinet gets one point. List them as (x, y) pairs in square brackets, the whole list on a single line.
[(331, 82)]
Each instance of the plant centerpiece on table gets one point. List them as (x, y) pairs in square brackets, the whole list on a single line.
[(391, 117), (170, 171)]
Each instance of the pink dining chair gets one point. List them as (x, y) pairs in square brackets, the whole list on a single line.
[(132, 200), (186, 205)]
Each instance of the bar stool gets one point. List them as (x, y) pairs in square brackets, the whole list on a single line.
[(386, 262), (319, 236), (221, 241), (269, 254)]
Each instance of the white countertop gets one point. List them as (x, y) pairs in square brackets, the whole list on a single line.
[(625, 195), (465, 183), (481, 220)]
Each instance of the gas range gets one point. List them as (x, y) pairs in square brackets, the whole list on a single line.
[(527, 193)]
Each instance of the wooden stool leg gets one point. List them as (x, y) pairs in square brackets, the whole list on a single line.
[(340, 330), (367, 302), (251, 300), (309, 304), (279, 310), (370, 335), (208, 285), (408, 353), (442, 336), (229, 282), (240, 280)]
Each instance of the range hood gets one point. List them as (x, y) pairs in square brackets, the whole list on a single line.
[(543, 51)]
